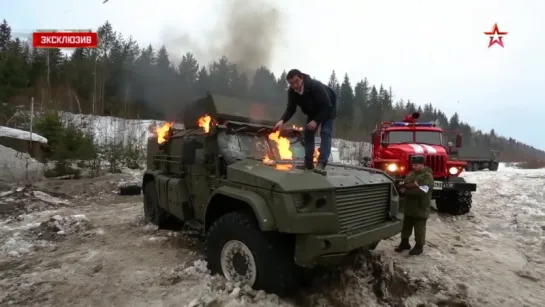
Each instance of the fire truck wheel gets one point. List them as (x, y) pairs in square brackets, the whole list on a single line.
[(152, 212), (239, 250), (454, 202)]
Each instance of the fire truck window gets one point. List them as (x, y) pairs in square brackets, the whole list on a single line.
[(429, 137), (400, 137)]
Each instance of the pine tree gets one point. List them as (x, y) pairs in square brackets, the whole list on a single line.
[(121, 79)]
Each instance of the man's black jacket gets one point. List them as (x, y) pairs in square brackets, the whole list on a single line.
[(318, 102)]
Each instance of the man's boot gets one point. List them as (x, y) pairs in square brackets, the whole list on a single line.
[(320, 169), (417, 250), (305, 166), (404, 245)]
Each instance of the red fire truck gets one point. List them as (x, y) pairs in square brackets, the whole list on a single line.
[(395, 142)]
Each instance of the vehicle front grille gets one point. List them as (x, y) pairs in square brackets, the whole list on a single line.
[(362, 206), (436, 162)]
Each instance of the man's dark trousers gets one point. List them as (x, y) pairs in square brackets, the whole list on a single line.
[(326, 130), (419, 226)]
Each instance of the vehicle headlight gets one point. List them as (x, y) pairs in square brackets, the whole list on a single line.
[(391, 167), (453, 170), (306, 202), (302, 200)]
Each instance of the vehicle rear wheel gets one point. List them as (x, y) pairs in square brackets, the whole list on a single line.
[(494, 166), (469, 167), (152, 211), (476, 167), (454, 202), (239, 250)]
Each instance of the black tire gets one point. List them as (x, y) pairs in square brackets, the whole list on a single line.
[(454, 202), (494, 166), (476, 167), (272, 254), (152, 212), (469, 167)]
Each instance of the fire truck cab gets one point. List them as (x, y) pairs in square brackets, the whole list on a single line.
[(395, 142)]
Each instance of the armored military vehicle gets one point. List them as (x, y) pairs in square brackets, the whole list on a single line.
[(228, 176)]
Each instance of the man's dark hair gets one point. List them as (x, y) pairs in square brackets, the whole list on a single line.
[(294, 73)]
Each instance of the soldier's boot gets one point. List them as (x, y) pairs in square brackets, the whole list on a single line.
[(404, 245), (417, 250)]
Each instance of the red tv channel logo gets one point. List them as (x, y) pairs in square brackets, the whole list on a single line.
[(496, 36), (64, 39)]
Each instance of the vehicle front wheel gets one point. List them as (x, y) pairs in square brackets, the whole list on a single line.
[(454, 202), (239, 250)]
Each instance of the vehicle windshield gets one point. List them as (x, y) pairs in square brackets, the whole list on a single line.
[(425, 137), (239, 146)]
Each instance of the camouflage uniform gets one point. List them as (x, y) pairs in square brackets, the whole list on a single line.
[(417, 208)]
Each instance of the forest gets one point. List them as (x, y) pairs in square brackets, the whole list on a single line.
[(123, 79)]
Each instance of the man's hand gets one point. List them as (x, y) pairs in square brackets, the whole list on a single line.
[(312, 125), (279, 125), (402, 190)]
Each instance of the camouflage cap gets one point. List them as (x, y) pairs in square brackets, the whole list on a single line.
[(417, 159)]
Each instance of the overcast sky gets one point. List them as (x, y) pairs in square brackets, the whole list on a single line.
[(428, 51)]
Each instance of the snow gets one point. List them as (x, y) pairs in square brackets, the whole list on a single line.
[(490, 257), (493, 256), (107, 129), (16, 166), (21, 134)]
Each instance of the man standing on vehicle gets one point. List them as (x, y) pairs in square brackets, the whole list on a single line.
[(417, 189), (319, 103)]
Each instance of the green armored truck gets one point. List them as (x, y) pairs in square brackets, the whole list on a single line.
[(263, 222)]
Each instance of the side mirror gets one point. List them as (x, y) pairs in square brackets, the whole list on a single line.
[(458, 141), (189, 151)]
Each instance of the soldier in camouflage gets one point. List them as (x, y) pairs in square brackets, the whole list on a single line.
[(417, 189)]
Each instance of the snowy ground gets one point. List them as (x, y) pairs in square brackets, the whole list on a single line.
[(16, 166), (93, 249), (107, 129)]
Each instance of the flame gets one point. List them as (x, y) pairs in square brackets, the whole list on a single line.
[(316, 155), (283, 145), (162, 132), (297, 128), (281, 167), (204, 123)]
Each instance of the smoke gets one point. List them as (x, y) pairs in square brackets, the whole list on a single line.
[(247, 32)]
